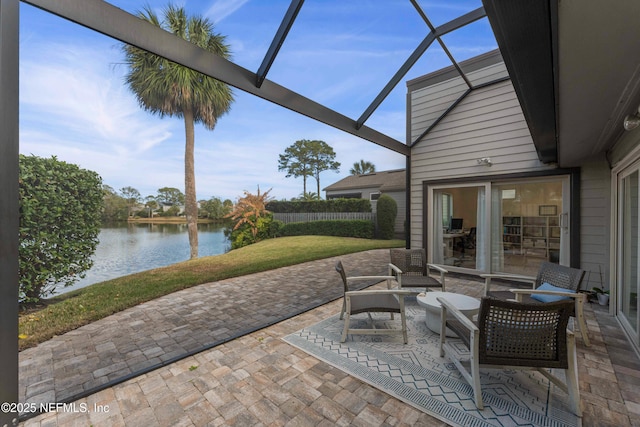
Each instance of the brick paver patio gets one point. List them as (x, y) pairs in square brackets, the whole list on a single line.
[(247, 375)]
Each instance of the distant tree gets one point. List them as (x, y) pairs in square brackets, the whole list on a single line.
[(169, 89), (307, 158), (362, 167), (151, 204), (170, 196), (115, 207), (60, 212), (308, 196), (132, 197), (215, 208)]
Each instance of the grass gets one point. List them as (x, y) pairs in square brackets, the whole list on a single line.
[(83, 306)]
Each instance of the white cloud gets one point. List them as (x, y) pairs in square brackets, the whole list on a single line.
[(223, 8)]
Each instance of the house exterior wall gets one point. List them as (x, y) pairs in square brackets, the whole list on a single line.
[(486, 123), (595, 224)]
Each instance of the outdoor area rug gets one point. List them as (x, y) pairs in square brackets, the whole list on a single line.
[(416, 374)]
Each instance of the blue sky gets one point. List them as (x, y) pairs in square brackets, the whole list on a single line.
[(74, 104)]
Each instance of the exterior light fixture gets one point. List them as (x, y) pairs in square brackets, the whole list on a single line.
[(486, 161), (632, 121)]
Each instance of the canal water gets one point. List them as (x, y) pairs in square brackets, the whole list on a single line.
[(134, 247)]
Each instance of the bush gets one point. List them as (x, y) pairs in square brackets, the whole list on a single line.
[(387, 209), (332, 205), (243, 235), (342, 228), (60, 216)]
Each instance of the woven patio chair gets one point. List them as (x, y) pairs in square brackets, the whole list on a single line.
[(410, 269), (554, 282), (514, 335), (371, 301)]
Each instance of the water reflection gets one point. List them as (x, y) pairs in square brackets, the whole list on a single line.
[(130, 248)]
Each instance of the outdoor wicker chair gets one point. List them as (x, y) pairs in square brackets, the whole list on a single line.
[(553, 283), (410, 268), (513, 335), (371, 301)]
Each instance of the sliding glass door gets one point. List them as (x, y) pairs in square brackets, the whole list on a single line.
[(628, 284), (504, 226), (459, 223)]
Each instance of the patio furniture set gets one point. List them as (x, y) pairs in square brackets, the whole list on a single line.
[(514, 329)]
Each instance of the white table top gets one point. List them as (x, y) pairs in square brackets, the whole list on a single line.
[(460, 301)]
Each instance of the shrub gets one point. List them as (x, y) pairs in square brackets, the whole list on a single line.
[(265, 228), (60, 215), (342, 228), (387, 209)]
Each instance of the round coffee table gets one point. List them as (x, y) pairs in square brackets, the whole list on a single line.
[(467, 305)]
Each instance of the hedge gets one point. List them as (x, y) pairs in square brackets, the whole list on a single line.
[(387, 210), (341, 228)]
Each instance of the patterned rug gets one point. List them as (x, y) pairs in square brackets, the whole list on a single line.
[(417, 375)]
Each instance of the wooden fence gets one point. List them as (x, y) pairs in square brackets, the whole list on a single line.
[(321, 216)]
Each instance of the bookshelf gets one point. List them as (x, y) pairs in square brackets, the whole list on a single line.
[(531, 235)]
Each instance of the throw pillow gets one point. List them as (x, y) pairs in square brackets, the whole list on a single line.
[(550, 298)]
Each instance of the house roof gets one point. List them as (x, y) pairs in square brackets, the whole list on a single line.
[(575, 69), (385, 181)]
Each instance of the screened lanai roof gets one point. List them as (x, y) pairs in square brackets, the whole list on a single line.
[(375, 47)]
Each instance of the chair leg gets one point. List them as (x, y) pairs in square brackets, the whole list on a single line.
[(403, 319), (346, 328), (475, 373), (582, 324), (573, 385), (344, 306)]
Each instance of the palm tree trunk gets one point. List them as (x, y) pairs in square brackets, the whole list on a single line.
[(190, 202)]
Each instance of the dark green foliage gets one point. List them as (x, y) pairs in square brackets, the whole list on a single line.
[(115, 206), (340, 228), (60, 216), (215, 208), (332, 205), (387, 209), (307, 158), (267, 228)]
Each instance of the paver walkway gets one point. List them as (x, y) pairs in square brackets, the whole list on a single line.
[(166, 329)]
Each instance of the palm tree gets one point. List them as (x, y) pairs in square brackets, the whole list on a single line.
[(362, 167), (169, 89)]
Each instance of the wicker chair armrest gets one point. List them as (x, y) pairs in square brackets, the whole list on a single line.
[(371, 278), (398, 292), (452, 310), (514, 277), (438, 268), (578, 296), (394, 269)]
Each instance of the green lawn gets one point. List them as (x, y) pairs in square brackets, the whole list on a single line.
[(94, 302)]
